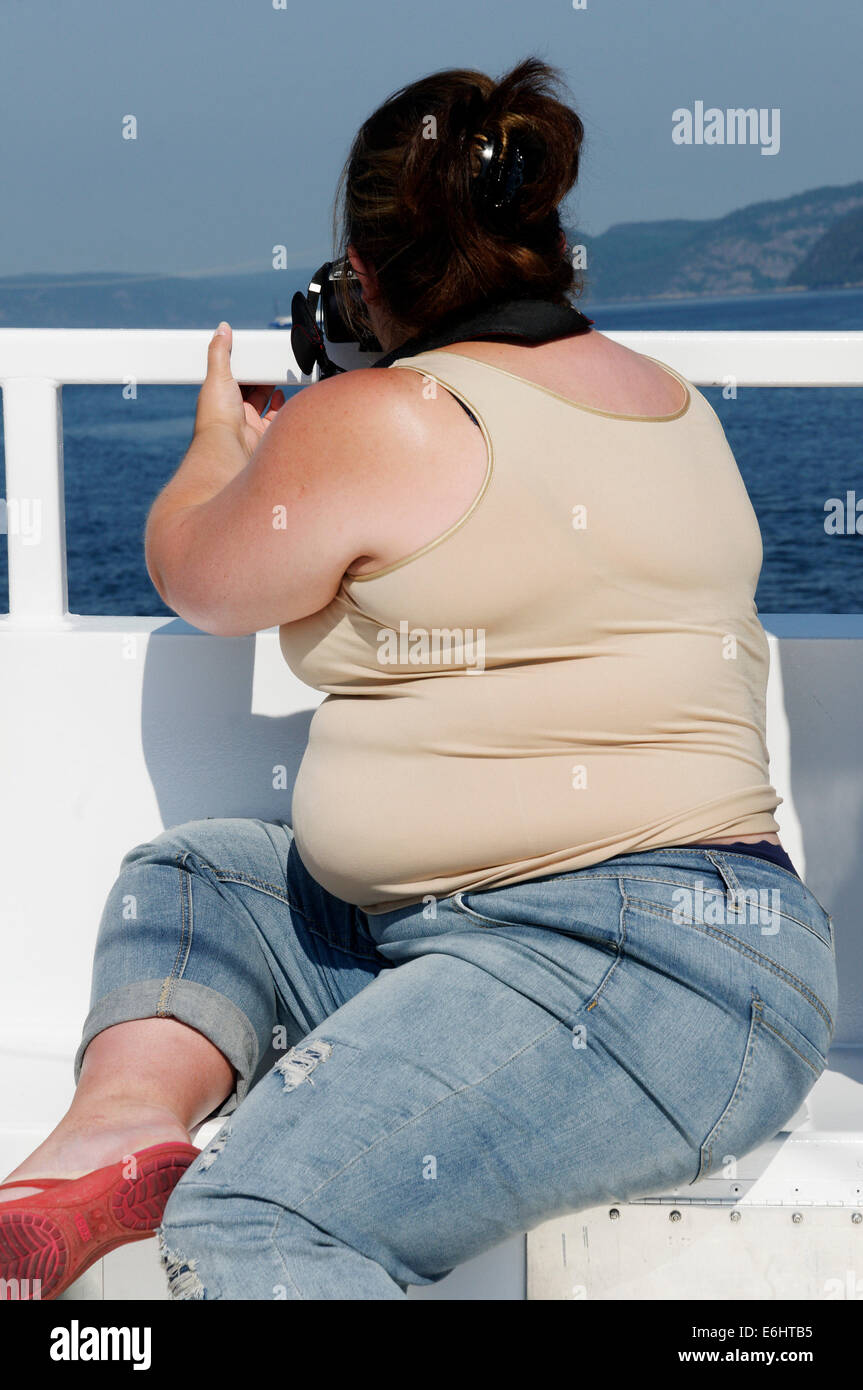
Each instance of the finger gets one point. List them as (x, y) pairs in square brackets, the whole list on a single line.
[(277, 402), (219, 351), (256, 396)]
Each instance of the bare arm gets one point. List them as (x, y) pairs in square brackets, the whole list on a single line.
[(240, 541)]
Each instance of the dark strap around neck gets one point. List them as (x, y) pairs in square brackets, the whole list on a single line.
[(533, 320)]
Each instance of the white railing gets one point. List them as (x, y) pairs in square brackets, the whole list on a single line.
[(36, 363)]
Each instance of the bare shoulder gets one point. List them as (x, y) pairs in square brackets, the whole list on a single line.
[(608, 350), (369, 389), (635, 378), (374, 423), (364, 405)]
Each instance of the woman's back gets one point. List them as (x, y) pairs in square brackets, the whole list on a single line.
[(589, 369), (565, 666)]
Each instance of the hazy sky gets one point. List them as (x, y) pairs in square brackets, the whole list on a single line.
[(245, 112)]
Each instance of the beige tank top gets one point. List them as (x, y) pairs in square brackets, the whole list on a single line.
[(573, 670)]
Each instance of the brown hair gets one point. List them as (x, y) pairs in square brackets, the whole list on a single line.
[(405, 198)]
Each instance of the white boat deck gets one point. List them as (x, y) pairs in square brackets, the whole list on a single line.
[(114, 727)]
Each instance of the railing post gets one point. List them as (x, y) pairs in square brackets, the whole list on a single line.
[(35, 501)]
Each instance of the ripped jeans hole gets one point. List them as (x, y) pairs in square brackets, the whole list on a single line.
[(207, 1157), (297, 1063), (183, 1280)]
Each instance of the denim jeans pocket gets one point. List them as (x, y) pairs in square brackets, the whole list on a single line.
[(584, 906), (779, 1068), (764, 914)]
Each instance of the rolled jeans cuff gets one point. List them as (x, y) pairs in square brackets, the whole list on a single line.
[(204, 1009)]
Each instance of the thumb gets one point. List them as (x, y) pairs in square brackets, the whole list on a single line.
[(219, 352)]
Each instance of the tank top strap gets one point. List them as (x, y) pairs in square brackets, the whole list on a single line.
[(463, 374), (478, 388)]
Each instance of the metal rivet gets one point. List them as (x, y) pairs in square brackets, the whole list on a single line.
[(674, 1216), (796, 1218), (735, 1216), (856, 1217), (614, 1214)]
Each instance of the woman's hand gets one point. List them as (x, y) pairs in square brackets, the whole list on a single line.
[(222, 401)]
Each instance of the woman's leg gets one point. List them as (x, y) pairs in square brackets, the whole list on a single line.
[(604, 1035), (215, 952), (142, 1083)]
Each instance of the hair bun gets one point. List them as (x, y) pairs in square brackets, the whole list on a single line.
[(452, 188)]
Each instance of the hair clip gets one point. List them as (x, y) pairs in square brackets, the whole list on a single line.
[(500, 175)]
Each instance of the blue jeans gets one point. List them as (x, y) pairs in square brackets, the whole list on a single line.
[(414, 1087)]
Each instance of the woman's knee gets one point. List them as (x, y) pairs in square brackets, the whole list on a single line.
[(217, 1244), (229, 844)]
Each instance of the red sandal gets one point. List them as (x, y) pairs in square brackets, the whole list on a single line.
[(49, 1239)]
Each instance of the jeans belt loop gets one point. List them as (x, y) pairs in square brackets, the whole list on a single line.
[(726, 872)]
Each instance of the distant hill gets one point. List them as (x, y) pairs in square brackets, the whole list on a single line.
[(763, 247), (836, 259), (812, 240)]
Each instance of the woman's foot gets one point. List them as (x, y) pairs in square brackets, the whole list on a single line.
[(48, 1240), (90, 1138)]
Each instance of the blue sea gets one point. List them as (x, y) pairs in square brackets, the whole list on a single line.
[(796, 448)]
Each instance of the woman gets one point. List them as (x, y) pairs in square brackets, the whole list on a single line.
[(531, 942)]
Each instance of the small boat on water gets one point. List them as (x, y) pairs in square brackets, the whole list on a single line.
[(279, 320)]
